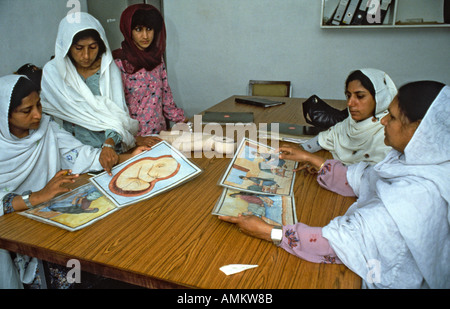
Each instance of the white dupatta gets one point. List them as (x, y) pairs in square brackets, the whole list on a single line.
[(401, 221), (351, 142), (28, 164), (66, 96)]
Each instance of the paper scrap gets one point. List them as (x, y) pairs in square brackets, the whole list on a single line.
[(235, 268)]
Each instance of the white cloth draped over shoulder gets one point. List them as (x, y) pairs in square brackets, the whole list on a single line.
[(29, 163), (397, 234), (66, 96), (351, 142)]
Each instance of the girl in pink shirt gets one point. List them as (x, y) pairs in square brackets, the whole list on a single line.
[(144, 76)]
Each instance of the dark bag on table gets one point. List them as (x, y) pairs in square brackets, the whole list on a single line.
[(321, 115)]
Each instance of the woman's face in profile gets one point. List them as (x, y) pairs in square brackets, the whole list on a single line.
[(360, 102), (27, 116), (84, 53), (397, 130)]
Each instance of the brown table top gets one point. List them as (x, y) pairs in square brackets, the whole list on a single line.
[(173, 241)]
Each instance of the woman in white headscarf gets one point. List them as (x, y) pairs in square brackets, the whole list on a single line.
[(397, 233), (360, 136), (82, 86), (37, 156)]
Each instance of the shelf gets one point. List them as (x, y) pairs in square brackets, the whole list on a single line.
[(401, 14)]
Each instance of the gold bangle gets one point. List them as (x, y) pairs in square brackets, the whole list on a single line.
[(322, 165)]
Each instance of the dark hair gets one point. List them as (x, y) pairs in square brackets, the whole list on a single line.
[(23, 88), (89, 33), (147, 18), (415, 98), (32, 72), (365, 81)]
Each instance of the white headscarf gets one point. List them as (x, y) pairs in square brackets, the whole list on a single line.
[(352, 142), (408, 195), (66, 96), (29, 163)]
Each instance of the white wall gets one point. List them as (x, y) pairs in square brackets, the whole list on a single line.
[(215, 47), (28, 31)]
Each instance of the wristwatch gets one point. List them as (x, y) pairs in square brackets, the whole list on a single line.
[(108, 145), (26, 198), (276, 235)]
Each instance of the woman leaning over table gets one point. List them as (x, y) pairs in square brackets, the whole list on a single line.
[(82, 86), (37, 157), (360, 136), (144, 76), (398, 229)]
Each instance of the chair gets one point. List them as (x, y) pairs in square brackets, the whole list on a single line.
[(269, 88)]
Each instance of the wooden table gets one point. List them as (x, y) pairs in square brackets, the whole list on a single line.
[(173, 241)]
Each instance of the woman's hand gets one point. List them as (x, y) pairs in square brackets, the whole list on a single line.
[(251, 225), (138, 150), (148, 141), (53, 187), (311, 162), (108, 158), (293, 153)]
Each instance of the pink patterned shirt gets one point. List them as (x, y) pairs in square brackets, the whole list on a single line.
[(307, 242), (149, 99)]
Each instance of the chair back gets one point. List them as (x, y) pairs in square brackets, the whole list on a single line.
[(269, 88)]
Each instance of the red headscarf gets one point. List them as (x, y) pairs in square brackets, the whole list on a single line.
[(137, 59)]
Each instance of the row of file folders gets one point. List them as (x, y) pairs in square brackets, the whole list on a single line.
[(360, 12)]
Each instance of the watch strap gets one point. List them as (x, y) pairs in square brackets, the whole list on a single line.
[(26, 199), (276, 235), (108, 145)]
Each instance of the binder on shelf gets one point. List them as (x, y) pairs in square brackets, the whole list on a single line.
[(376, 12), (361, 12), (446, 11), (340, 12), (350, 13), (385, 4)]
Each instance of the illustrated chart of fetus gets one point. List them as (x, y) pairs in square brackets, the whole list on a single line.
[(145, 175), (140, 177)]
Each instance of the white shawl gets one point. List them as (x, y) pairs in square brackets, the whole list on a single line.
[(399, 226), (66, 96), (28, 164), (351, 142)]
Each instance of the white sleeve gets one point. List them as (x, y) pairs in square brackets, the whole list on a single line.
[(75, 155), (312, 145)]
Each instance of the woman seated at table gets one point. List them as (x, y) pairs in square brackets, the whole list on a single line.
[(397, 233), (37, 158), (82, 86), (360, 136), (140, 59)]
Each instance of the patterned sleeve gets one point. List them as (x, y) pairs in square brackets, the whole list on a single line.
[(171, 111), (312, 145), (308, 243), (7, 203), (333, 176)]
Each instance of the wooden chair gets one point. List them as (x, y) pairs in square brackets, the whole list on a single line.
[(269, 88)]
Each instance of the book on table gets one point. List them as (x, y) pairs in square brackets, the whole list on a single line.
[(227, 117), (261, 102), (256, 181), (142, 177), (283, 130)]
